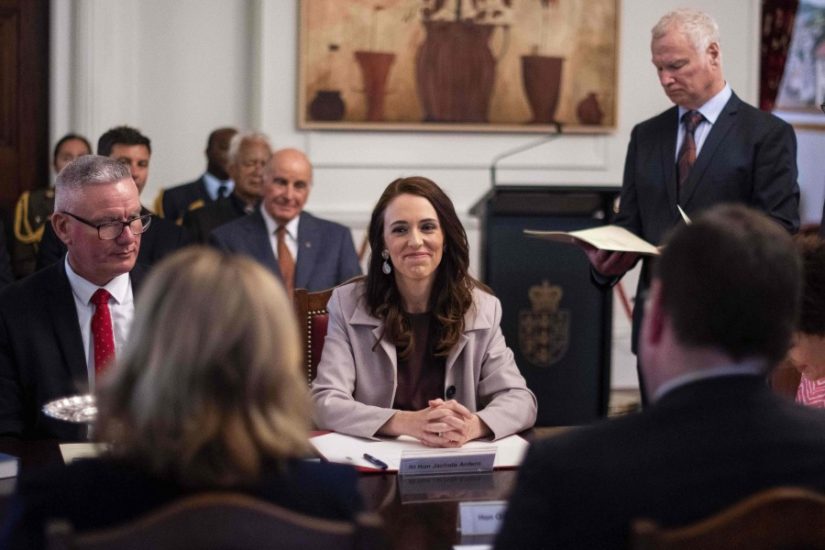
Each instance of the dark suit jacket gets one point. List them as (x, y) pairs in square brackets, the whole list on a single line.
[(748, 157), (326, 255), (41, 353), (161, 239), (176, 201), (97, 493), (6, 275), (699, 449), (200, 223)]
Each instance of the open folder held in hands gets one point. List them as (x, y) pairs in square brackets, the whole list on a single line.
[(605, 237)]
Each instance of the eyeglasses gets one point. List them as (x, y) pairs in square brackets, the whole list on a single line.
[(112, 230)]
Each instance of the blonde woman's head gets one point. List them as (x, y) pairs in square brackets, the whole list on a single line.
[(209, 386)]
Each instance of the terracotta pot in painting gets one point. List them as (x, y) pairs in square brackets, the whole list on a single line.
[(375, 68), (455, 71), (328, 105), (589, 111), (541, 76)]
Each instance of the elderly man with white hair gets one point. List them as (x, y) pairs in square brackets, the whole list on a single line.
[(709, 148)]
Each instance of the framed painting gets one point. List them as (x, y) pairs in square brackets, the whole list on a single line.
[(802, 88), (467, 65)]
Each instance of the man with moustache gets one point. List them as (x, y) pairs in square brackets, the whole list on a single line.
[(214, 184), (302, 250), (130, 147), (249, 155), (61, 327)]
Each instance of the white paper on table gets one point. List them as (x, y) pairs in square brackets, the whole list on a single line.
[(604, 237), (346, 449), (73, 451)]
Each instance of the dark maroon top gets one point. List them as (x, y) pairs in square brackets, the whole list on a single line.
[(421, 374)]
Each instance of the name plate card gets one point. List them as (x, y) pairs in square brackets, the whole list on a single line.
[(481, 518), (447, 461)]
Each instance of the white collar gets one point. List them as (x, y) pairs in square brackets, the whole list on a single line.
[(272, 224), (712, 107), (746, 367), (213, 183), (84, 289)]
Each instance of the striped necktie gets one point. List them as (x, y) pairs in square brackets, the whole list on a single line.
[(687, 153)]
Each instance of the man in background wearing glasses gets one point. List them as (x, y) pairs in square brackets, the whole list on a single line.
[(56, 338), (130, 147)]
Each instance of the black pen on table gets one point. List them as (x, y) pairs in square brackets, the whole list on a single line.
[(375, 462)]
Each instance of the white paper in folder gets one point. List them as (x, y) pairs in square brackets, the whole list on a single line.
[(604, 237)]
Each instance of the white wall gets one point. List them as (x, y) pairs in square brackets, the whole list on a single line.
[(178, 68)]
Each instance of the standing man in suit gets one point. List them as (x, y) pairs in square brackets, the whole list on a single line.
[(304, 251), (709, 148), (130, 147), (214, 184), (249, 155), (720, 315), (50, 345)]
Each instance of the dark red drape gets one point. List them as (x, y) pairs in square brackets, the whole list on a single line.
[(777, 28)]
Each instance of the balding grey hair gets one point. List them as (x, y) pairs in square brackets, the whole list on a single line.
[(242, 138), (83, 172), (699, 27)]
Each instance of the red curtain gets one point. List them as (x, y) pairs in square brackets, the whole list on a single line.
[(777, 28)]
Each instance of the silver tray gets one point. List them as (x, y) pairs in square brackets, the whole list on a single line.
[(79, 409)]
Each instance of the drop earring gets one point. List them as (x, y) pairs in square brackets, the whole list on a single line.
[(386, 267)]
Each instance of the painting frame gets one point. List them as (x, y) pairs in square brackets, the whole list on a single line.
[(801, 89), (392, 65)]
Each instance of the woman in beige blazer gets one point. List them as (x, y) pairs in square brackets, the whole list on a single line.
[(415, 348)]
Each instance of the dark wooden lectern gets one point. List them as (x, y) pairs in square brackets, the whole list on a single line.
[(555, 320)]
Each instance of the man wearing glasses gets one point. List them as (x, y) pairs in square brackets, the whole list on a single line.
[(62, 327), (130, 147)]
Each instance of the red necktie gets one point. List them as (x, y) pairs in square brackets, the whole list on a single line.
[(687, 154), (285, 261), (103, 337)]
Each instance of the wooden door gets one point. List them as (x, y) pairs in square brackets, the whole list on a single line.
[(24, 98)]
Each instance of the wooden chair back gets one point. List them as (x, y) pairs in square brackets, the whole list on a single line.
[(213, 521), (312, 314), (779, 518), (784, 379)]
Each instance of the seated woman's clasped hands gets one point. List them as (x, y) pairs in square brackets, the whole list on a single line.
[(415, 348), (441, 424)]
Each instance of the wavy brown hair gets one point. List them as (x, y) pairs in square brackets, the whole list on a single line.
[(452, 294)]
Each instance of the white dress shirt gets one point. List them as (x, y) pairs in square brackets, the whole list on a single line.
[(121, 308)]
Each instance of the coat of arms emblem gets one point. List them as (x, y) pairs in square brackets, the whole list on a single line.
[(544, 330)]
